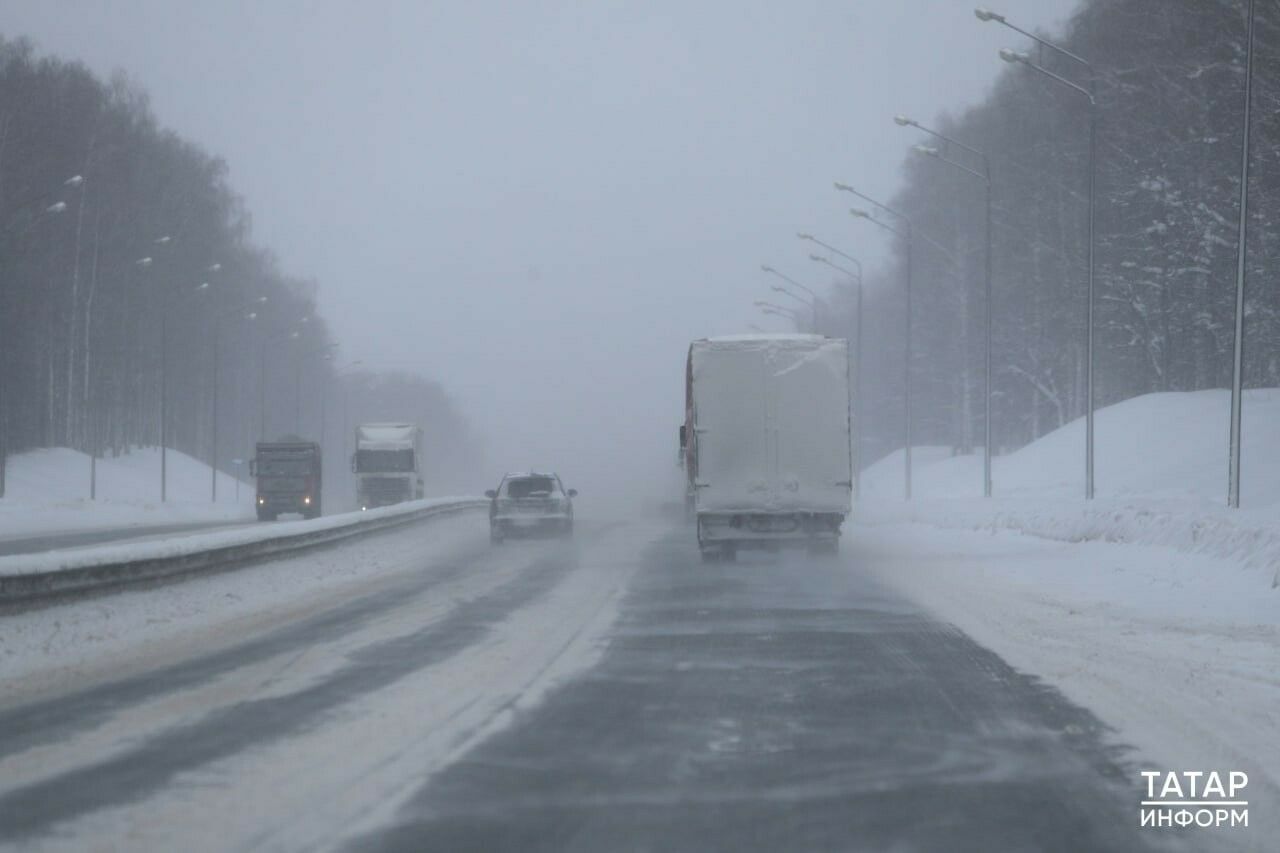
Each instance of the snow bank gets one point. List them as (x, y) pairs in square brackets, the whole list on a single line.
[(1169, 445), (48, 490), (177, 546), (1161, 465), (1249, 540)]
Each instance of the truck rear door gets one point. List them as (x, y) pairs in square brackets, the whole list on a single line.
[(730, 429), (809, 413)]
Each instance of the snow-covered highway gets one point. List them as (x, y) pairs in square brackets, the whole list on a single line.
[(420, 689)]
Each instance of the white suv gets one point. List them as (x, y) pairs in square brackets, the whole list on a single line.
[(530, 504)]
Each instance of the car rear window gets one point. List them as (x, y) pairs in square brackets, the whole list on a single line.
[(530, 487)]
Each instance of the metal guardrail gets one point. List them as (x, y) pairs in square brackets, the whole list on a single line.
[(101, 574)]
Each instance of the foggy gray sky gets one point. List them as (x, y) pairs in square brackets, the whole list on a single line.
[(542, 203)]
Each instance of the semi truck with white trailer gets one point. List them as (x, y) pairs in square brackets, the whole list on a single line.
[(387, 464), (766, 442)]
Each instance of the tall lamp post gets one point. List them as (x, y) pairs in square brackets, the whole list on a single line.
[(812, 301), (857, 366), (11, 229), (166, 303), (985, 177), (213, 432), (265, 347), (297, 388), (907, 233), (337, 374), (780, 311), (1237, 360), (1088, 92)]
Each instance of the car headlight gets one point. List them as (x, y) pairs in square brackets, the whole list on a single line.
[(261, 501), (307, 500)]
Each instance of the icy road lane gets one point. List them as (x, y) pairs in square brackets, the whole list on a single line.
[(420, 690)]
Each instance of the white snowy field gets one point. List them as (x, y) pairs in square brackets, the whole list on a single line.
[(1153, 605), (48, 491)]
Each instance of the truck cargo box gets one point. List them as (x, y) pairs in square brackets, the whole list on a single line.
[(767, 432)]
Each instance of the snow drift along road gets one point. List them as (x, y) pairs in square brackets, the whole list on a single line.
[(1168, 445), (48, 490)]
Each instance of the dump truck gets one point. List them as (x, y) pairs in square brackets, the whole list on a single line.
[(288, 476), (766, 442), (387, 464)]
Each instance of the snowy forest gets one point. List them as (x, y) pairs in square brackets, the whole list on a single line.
[(1169, 81), (123, 249)]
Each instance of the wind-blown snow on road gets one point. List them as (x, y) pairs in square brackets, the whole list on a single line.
[(303, 697)]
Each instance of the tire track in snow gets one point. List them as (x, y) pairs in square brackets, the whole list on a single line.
[(149, 767), (53, 719)]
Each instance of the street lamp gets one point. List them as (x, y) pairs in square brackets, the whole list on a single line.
[(1237, 359), (337, 374), (779, 311), (850, 258), (217, 323), (797, 297), (812, 302), (165, 303), (1021, 58), (297, 391), (11, 213), (262, 376), (906, 361), (985, 177), (793, 316)]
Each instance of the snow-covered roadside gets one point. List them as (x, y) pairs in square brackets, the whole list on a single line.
[(1161, 480), (47, 491), (44, 648), (1178, 651), (1248, 539), (174, 546)]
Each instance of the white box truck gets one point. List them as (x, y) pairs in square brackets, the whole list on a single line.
[(766, 442), (387, 464)]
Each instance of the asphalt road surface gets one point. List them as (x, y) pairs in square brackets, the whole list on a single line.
[(613, 693)]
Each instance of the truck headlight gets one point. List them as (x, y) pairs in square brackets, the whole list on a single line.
[(261, 501), (307, 500)]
